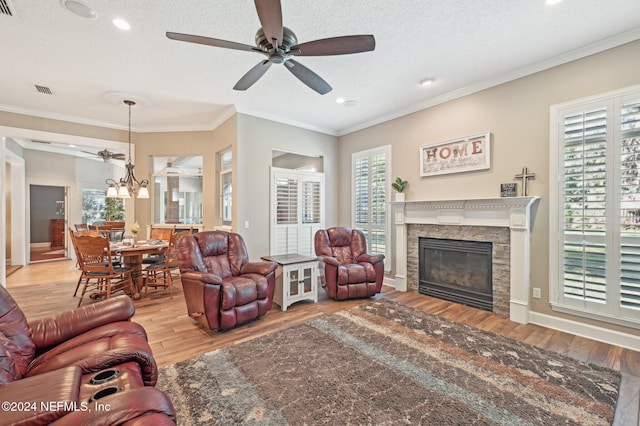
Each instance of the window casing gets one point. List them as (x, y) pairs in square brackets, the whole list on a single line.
[(226, 187), (370, 189), (595, 240)]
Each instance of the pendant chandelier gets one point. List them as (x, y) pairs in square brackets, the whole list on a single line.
[(128, 186)]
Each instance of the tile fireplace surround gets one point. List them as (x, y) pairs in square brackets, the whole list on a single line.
[(506, 222)]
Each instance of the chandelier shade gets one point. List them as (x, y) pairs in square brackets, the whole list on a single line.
[(128, 186)]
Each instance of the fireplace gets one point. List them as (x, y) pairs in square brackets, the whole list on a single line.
[(456, 270), (504, 222)]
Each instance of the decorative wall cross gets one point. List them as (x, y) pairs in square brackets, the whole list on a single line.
[(525, 176)]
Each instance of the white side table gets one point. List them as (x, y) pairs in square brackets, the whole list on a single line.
[(296, 279)]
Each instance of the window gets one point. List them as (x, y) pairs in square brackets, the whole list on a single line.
[(595, 261), (370, 171), (97, 208), (177, 189), (226, 187)]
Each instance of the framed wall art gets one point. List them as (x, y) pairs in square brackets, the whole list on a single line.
[(456, 155)]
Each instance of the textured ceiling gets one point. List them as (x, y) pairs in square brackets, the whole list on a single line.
[(466, 45)]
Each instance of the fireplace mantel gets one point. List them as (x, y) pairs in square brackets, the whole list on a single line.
[(512, 212)]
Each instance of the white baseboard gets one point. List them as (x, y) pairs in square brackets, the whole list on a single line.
[(390, 282), (600, 334), (40, 245)]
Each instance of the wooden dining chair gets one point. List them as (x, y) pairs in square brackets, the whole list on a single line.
[(98, 271), (72, 235), (163, 273), (103, 229), (158, 234)]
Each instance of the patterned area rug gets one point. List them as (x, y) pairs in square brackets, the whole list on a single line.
[(383, 363)]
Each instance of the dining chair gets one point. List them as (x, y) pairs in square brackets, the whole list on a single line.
[(158, 234), (81, 227), (163, 273), (72, 235), (98, 271), (116, 230), (103, 229)]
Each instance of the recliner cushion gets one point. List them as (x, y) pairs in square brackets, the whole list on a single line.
[(238, 291), (9, 369), (16, 341), (350, 274)]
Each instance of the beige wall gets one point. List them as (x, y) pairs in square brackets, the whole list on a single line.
[(256, 139), (517, 115)]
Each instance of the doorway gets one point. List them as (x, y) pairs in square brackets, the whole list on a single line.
[(12, 187), (47, 223)]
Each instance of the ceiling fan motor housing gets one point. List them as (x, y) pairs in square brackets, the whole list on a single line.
[(289, 40)]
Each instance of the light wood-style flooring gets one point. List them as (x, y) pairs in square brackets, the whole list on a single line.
[(46, 288)]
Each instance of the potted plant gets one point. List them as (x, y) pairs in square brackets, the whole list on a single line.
[(399, 185)]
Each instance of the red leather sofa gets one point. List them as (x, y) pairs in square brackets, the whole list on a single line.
[(349, 272), (91, 365), (221, 287)]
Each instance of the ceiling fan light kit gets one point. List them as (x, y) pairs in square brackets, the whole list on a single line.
[(279, 45)]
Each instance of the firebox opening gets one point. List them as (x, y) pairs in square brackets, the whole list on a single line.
[(456, 270)]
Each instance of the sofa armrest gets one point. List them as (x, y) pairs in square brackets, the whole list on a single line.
[(261, 268), (203, 277), (371, 258), (51, 331), (40, 399), (121, 348), (329, 260)]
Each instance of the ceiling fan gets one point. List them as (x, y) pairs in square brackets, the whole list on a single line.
[(107, 155), (279, 44)]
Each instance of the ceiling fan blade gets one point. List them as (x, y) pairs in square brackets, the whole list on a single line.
[(211, 42), (252, 76), (308, 77), (336, 46), (270, 15)]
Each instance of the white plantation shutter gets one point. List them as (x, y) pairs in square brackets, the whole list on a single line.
[(597, 271), (298, 210), (370, 170), (585, 175), (630, 205)]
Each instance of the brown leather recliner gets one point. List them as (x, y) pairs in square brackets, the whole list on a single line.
[(61, 364), (349, 272), (221, 287)]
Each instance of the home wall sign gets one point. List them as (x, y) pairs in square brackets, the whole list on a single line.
[(456, 155)]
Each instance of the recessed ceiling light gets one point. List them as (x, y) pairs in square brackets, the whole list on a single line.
[(350, 103), (80, 9), (427, 81), (122, 24), (552, 2), (340, 100)]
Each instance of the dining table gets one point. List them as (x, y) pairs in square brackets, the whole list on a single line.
[(132, 255)]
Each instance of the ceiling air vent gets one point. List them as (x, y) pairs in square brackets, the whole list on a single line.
[(43, 89), (4, 8)]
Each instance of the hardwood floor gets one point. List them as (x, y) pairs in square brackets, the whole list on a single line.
[(38, 254), (46, 288)]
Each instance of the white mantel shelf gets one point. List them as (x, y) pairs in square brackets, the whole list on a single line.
[(511, 212)]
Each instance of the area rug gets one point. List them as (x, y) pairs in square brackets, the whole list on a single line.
[(383, 363)]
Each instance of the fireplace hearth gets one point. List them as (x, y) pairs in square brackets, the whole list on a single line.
[(458, 271)]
